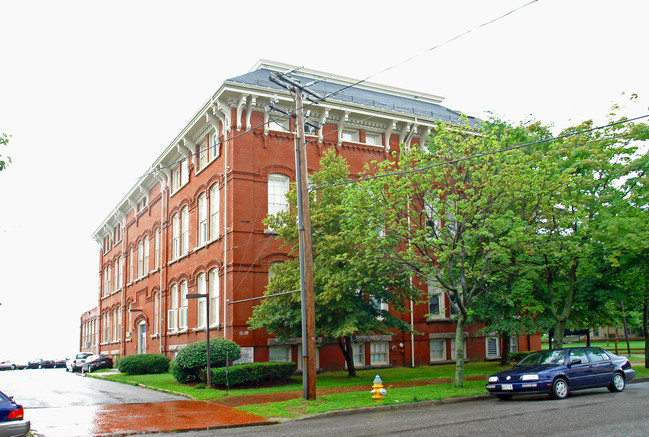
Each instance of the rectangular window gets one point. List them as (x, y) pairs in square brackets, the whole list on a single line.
[(437, 350), (358, 354), (156, 313), (379, 353), (130, 265), (279, 353), (116, 283), (175, 236), (120, 266), (375, 139), (492, 349), (156, 261), (215, 146), (203, 153), (108, 289), (513, 344), (184, 222), (213, 284), (278, 185), (202, 219), (146, 255), (215, 206), (140, 259), (200, 303), (300, 358), (172, 318), (182, 311), (350, 135), (435, 301)]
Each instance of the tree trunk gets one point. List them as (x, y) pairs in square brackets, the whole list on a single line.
[(459, 350), (559, 332), (504, 357), (346, 349)]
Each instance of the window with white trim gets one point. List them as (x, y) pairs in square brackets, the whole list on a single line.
[(184, 223), (130, 265), (279, 353), (116, 283), (213, 286), (172, 317), (202, 219), (156, 261), (358, 354), (140, 259), (175, 236), (108, 287), (278, 123), (492, 347), (299, 357), (379, 353), (182, 311), (435, 301), (438, 350), (215, 205), (374, 139), (200, 303), (350, 135), (156, 313), (106, 331), (146, 255), (203, 151), (215, 146), (278, 186), (120, 275), (380, 305), (513, 343)]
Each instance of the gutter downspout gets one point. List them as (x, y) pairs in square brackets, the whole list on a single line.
[(225, 236)]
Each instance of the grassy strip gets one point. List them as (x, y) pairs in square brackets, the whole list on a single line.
[(343, 401)]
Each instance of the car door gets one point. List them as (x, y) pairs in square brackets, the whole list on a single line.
[(602, 366), (580, 374)]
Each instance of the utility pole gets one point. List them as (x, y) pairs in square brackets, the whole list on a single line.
[(304, 232)]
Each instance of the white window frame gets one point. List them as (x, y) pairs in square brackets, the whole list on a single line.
[(156, 261), (279, 353), (278, 186), (182, 310), (299, 357), (175, 236), (145, 265), (373, 138), (184, 236), (513, 343), (202, 219), (215, 212), (453, 349), (130, 265), (434, 357), (358, 354), (436, 292), (201, 309), (350, 135), (215, 146), (140, 258), (156, 313), (379, 349), (490, 344), (214, 290), (172, 317)]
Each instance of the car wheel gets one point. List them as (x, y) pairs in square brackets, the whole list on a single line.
[(559, 389), (617, 383), (504, 397)]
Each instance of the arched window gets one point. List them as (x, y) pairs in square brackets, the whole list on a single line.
[(175, 236), (215, 205), (202, 219), (214, 291), (182, 311), (184, 223), (200, 303)]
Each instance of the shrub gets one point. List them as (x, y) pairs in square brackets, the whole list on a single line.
[(251, 373), (143, 364), (193, 358)]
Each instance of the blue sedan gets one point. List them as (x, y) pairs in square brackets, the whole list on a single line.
[(560, 371)]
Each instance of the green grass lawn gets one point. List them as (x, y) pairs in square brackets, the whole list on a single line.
[(330, 380)]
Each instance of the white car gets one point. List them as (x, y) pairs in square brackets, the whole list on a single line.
[(7, 365), (74, 364)]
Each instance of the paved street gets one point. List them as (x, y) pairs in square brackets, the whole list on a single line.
[(589, 413)]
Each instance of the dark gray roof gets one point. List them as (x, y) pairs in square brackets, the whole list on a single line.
[(361, 96)]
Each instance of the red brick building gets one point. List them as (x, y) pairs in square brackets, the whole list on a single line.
[(193, 223)]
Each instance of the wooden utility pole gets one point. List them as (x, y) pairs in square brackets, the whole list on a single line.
[(304, 232)]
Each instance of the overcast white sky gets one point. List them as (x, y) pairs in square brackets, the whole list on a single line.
[(92, 92)]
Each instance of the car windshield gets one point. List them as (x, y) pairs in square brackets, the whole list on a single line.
[(544, 357)]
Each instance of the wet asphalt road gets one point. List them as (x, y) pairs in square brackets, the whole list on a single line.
[(59, 403)]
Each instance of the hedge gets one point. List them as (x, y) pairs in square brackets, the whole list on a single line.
[(192, 359), (251, 373), (143, 364)]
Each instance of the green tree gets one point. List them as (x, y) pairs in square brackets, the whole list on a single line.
[(352, 286), (4, 140), (448, 212), (584, 169)]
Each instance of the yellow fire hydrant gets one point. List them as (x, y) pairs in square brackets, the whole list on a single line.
[(378, 392)]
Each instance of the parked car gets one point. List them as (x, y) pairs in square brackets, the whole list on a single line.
[(96, 362), (74, 364), (7, 365), (560, 371), (38, 363), (12, 418), (60, 364)]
